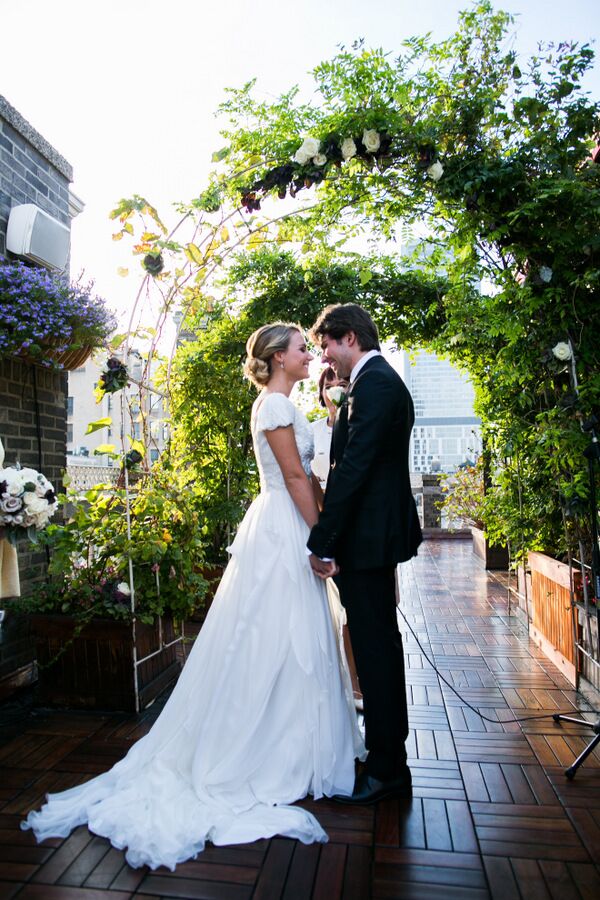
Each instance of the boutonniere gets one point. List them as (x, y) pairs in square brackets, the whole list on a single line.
[(336, 394)]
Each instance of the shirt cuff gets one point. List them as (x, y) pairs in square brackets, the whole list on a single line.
[(322, 558)]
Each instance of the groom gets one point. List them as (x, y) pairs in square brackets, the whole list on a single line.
[(369, 523)]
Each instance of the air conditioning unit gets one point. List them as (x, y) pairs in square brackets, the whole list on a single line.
[(35, 235)]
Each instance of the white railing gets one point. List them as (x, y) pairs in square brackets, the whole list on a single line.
[(83, 477)]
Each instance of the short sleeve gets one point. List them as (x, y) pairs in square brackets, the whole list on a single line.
[(275, 411)]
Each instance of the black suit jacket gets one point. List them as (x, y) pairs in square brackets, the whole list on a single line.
[(369, 519)]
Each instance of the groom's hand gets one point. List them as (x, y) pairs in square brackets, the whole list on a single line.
[(322, 568)]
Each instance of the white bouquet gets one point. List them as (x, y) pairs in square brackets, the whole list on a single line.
[(27, 501)]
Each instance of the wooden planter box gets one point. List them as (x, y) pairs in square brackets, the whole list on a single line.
[(554, 622), (492, 556), (95, 671)]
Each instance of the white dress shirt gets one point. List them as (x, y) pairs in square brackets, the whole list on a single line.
[(369, 355), (322, 437)]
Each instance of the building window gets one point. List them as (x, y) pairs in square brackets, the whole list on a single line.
[(69, 431), (69, 406)]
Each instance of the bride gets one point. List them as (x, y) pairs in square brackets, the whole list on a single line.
[(262, 713)]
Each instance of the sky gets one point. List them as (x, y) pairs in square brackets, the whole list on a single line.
[(127, 90)]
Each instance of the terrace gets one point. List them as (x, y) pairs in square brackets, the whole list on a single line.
[(492, 815)]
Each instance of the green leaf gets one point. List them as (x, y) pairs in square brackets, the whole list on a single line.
[(98, 424), (104, 448), (117, 341), (194, 254), (221, 154), (365, 276), (137, 445)]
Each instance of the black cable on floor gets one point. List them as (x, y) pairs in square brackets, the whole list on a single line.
[(466, 702)]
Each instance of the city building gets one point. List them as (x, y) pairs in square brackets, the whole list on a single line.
[(140, 405), (447, 433)]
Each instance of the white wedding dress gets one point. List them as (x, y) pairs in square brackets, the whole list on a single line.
[(262, 713)]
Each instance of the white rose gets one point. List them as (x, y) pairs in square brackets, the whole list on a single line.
[(545, 273), (35, 505), (336, 394), (562, 351), (123, 588), (301, 157), (348, 148), (309, 148), (14, 481), (436, 170), (320, 159), (371, 140)]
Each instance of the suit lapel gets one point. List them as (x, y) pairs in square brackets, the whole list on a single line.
[(339, 432)]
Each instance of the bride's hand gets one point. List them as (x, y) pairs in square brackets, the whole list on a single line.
[(323, 569)]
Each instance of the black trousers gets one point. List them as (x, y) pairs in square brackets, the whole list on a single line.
[(369, 597)]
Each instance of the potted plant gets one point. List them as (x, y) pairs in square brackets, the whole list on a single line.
[(464, 503), (88, 616), (49, 320)]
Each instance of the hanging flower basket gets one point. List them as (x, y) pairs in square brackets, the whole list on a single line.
[(46, 319), (70, 359)]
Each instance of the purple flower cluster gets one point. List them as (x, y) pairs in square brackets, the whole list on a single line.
[(38, 308)]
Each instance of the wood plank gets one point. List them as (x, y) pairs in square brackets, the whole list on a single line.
[(558, 880), (437, 829), (63, 892), (357, 876), (530, 880), (70, 849), (273, 874), (461, 827), (81, 867), (329, 879), (187, 889), (302, 872)]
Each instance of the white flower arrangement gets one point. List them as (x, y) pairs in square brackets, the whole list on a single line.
[(27, 501), (336, 394), (436, 170), (562, 351)]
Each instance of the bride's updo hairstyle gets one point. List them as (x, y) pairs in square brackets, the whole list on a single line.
[(261, 346)]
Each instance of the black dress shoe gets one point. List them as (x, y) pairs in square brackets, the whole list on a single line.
[(368, 789)]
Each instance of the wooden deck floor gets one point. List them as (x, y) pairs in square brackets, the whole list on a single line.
[(493, 814)]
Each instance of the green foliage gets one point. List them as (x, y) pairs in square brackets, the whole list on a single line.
[(494, 153), (89, 566)]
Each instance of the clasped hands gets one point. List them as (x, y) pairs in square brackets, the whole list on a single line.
[(322, 568)]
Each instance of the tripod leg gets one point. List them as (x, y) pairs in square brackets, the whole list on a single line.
[(559, 717), (570, 772)]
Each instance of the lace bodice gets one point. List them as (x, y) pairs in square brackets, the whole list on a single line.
[(272, 411)]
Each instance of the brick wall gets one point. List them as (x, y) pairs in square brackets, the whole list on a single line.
[(19, 432), (31, 171)]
